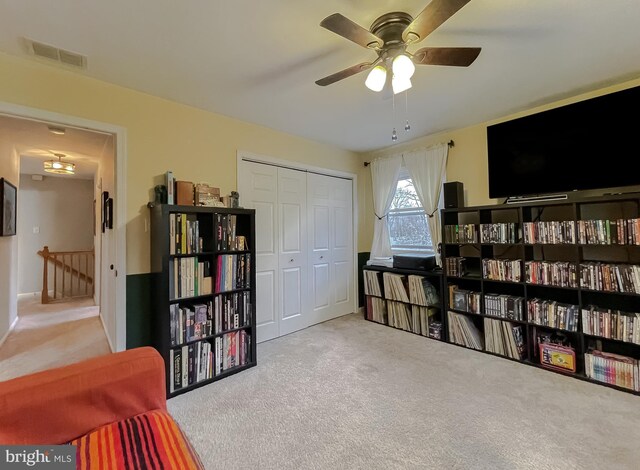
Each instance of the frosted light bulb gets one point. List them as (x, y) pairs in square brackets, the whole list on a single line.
[(403, 67), (400, 84), (376, 78)]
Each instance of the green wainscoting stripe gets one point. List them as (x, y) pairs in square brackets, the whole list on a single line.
[(363, 257), (139, 310)]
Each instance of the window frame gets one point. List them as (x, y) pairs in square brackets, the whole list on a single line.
[(408, 211)]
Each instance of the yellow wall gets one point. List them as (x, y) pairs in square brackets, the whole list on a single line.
[(467, 160), (162, 135)]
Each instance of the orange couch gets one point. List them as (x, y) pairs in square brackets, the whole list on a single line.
[(87, 403)]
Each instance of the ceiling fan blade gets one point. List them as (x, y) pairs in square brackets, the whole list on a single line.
[(346, 28), (434, 14), (454, 56), (354, 69)]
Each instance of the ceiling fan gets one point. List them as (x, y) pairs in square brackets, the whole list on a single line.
[(389, 37)]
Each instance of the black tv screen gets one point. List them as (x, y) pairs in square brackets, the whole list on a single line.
[(590, 144)]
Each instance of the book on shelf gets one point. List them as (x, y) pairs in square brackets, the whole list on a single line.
[(227, 238), (549, 232), (551, 273), (463, 331), (499, 233), (190, 322), (399, 315), (376, 309), (611, 324), (613, 369), (234, 272), (190, 364), (610, 277), (510, 307), (463, 299), (233, 310), (371, 283), (504, 338), (466, 233), (421, 291), (184, 234), (553, 314), (455, 266), (189, 277), (609, 232), (171, 186), (233, 350), (502, 269), (394, 286)]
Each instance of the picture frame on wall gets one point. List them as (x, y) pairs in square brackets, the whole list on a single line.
[(8, 208), (105, 199)]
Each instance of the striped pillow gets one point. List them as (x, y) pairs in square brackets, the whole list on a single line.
[(151, 440)]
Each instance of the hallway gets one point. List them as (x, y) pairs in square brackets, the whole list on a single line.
[(51, 335)]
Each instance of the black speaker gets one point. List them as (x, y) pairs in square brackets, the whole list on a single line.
[(453, 194)]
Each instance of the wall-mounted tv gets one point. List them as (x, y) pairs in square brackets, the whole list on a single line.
[(590, 144)]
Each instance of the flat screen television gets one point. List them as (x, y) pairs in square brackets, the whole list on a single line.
[(590, 144)]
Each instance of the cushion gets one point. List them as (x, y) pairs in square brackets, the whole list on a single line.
[(150, 440)]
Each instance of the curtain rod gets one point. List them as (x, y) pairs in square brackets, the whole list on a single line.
[(451, 143)]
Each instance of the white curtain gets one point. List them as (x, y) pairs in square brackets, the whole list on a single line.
[(427, 170), (384, 179)]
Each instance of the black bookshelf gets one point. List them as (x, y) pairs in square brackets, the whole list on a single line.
[(612, 208), (433, 277), (229, 345)]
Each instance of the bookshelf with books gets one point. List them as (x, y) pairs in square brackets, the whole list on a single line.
[(203, 292), (552, 284), (410, 300)]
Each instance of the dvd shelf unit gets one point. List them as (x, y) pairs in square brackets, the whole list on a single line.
[(202, 262), (410, 300), (550, 284)]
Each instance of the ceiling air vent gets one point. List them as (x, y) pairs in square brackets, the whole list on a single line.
[(60, 56)]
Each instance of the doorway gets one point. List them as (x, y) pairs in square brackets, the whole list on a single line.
[(107, 174)]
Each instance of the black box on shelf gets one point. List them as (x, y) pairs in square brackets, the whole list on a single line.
[(419, 262)]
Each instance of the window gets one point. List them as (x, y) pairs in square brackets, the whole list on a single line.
[(408, 226)]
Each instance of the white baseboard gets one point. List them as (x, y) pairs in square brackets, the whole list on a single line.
[(106, 333), (11, 327), (29, 295)]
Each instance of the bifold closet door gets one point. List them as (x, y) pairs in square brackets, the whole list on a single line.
[(258, 189), (330, 246)]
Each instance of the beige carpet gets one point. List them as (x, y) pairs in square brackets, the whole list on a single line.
[(52, 335), (350, 394)]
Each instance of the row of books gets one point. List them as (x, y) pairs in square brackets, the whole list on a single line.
[(232, 311), (376, 309), (234, 272), (499, 233), (612, 324), (371, 283), (553, 314), (460, 233), (555, 232), (184, 234), (610, 277), (190, 322), (609, 232), (551, 273), (613, 369), (203, 360), (462, 331), (226, 237), (502, 269), (463, 299), (455, 266), (506, 306), (190, 364), (422, 292), (504, 338), (394, 288), (189, 277), (399, 315)]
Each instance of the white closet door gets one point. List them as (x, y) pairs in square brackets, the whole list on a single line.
[(293, 268), (258, 190), (331, 246)]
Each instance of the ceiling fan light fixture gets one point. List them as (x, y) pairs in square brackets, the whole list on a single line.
[(59, 167), (400, 84), (376, 78), (403, 67)]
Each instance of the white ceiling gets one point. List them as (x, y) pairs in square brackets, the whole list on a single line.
[(258, 60), (36, 144)]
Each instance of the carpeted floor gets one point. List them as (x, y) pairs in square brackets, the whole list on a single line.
[(52, 335), (350, 394)]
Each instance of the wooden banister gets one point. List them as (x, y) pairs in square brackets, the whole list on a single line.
[(63, 263)]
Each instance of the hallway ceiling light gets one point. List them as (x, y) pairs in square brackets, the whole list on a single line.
[(58, 166)]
